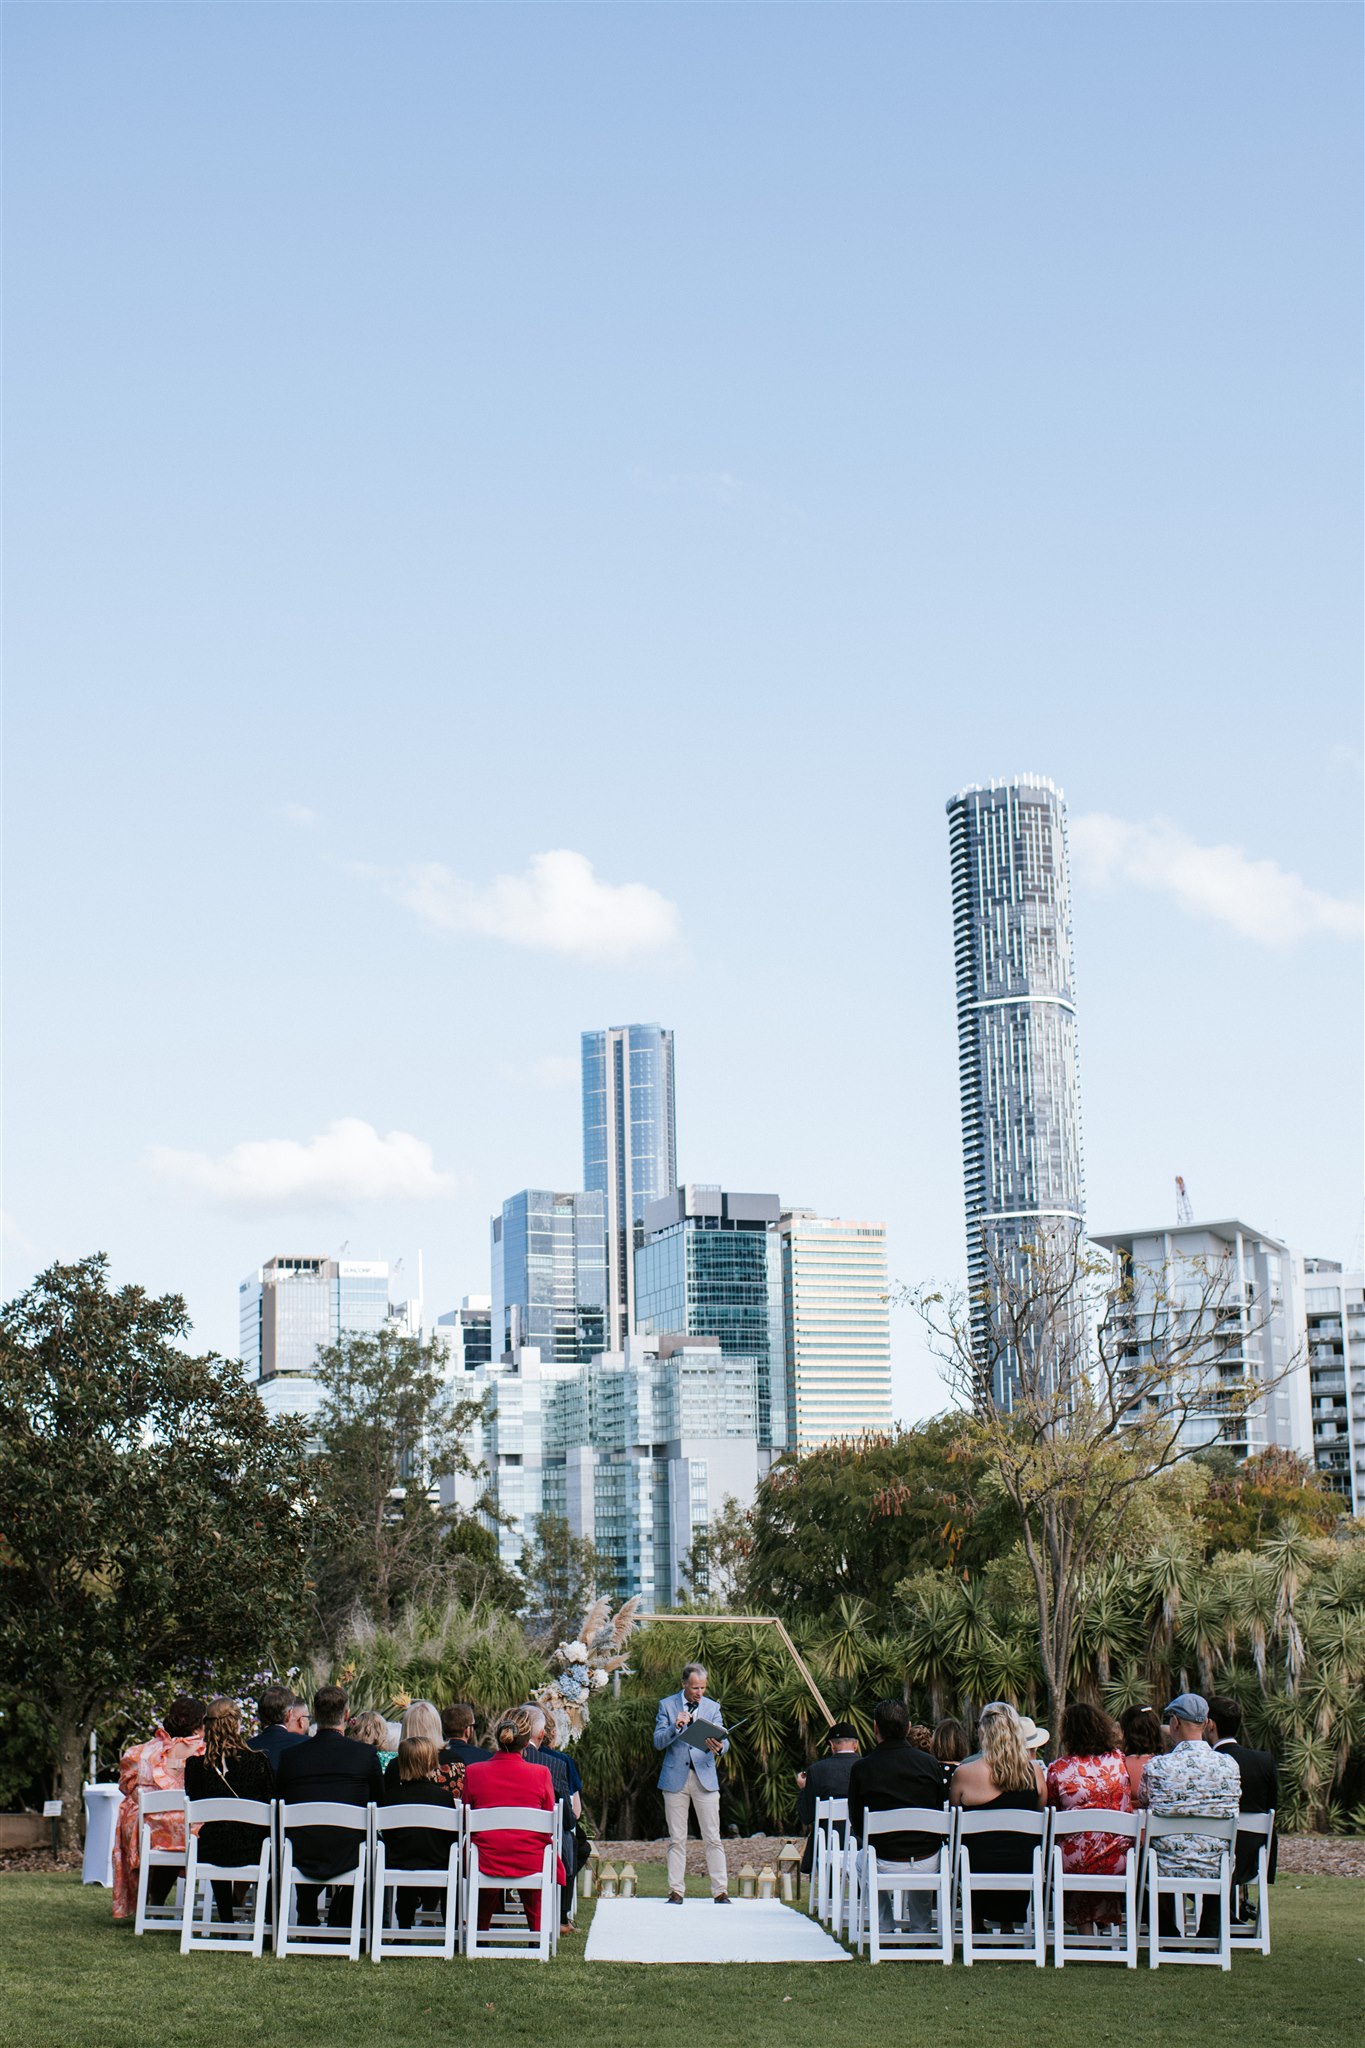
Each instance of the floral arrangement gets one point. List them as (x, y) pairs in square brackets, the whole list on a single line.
[(586, 1666)]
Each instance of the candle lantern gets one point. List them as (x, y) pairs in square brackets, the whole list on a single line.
[(748, 1878)]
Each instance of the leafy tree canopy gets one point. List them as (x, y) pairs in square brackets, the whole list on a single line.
[(1273, 1491), (563, 1575), (154, 1516)]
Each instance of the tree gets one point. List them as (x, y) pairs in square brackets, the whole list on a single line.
[(1082, 1381), (563, 1574), (1273, 1490), (852, 1519), (155, 1518), (389, 1430), (713, 1568)]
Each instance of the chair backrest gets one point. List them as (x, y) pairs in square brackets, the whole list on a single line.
[(1257, 1823), (530, 1820), (442, 1820), (1097, 1820), (158, 1802), (324, 1813), (830, 1809), (909, 1820), (254, 1812), (1223, 1830), (983, 1821)]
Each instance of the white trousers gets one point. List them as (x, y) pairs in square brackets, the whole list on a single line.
[(707, 1806), (918, 1906)]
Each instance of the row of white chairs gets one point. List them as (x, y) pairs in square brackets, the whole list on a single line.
[(847, 1886), (274, 1879)]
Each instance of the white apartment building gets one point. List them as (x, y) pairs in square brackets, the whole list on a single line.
[(1334, 1334), (836, 1325)]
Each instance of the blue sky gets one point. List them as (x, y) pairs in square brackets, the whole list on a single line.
[(690, 442)]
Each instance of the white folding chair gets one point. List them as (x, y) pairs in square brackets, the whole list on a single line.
[(199, 1929), (827, 1849), (511, 1936), (1030, 1946), (905, 1944), (1262, 1825), (165, 1918), (1120, 1943), (291, 1938), (389, 1880), (1187, 1948)]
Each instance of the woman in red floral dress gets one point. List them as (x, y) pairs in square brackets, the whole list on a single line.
[(157, 1765), (1092, 1772)]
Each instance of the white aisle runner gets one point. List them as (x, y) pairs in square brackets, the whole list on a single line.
[(745, 1931)]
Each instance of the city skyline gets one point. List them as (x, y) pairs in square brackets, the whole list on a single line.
[(488, 554)]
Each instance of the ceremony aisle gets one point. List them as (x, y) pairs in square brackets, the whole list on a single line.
[(699, 1931)]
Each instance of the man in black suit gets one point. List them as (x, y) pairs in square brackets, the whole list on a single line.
[(457, 1725), (897, 1775), (1260, 1775), (284, 1721), (328, 1766), (825, 1778)]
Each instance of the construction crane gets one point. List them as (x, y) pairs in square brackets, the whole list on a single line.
[(1183, 1211)]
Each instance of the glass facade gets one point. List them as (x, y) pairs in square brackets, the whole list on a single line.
[(713, 1275), (837, 1328), (293, 1307), (1018, 1066), (629, 1145), (550, 1275)]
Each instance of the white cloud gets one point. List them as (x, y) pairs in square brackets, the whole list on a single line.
[(298, 814), (1258, 898), (348, 1162), (557, 906)]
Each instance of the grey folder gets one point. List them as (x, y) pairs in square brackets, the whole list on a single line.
[(699, 1733)]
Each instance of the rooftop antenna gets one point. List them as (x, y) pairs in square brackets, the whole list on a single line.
[(345, 1247), (1184, 1213)]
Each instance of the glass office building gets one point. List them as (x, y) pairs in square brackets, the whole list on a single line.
[(710, 1266), (550, 1275), (292, 1306), (837, 1327), (1018, 1068), (629, 1146)]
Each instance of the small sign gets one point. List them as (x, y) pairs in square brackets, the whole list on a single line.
[(52, 1809)]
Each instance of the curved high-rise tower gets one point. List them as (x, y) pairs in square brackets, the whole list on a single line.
[(1016, 1026)]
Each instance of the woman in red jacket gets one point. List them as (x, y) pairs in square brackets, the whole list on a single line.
[(508, 1780)]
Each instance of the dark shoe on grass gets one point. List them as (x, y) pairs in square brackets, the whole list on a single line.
[(675, 1898)]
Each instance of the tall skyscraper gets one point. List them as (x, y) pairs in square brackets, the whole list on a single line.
[(550, 1276), (711, 1266), (629, 1146), (1016, 1029), (836, 1322), (291, 1306), (1334, 1340)]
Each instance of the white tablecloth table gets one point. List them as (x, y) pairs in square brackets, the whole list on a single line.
[(101, 1818)]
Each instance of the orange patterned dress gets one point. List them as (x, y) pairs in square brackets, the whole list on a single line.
[(157, 1765), (1099, 1781)]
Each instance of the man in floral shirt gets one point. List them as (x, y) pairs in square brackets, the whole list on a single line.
[(1191, 1780)]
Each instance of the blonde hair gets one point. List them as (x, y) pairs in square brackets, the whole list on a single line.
[(369, 1727), (417, 1758), (422, 1721), (514, 1730), (222, 1732), (1007, 1755)]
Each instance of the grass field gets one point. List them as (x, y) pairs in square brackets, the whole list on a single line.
[(70, 1979)]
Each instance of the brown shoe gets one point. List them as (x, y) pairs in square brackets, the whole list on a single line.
[(722, 1899), (675, 1898)]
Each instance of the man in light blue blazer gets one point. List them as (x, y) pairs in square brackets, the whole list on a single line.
[(687, 1778)]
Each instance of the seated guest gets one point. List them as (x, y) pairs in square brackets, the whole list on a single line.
[(228, 1769), (896, 1774), (371, 1727), (950, 1743), (329, 1767), (413, 1779), (157, 1765), (1142, 1740), (1091, 1772), (563, 1776), (826, 1777), (422, 1723), (1004, 1777), (507, 1779), (457, 1725), (1260, 1776), (920, 1736), (1191, 1780), (282, 1721)]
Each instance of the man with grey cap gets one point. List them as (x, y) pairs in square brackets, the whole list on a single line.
[(1190, 1781)]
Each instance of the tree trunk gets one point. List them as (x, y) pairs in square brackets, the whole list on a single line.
[(69, 1745)]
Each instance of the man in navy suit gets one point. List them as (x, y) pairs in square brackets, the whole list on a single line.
[(687, 1779), (329, 1766), (284, 1721)]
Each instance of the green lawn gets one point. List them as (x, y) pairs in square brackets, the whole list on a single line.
[(70, 1979)]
